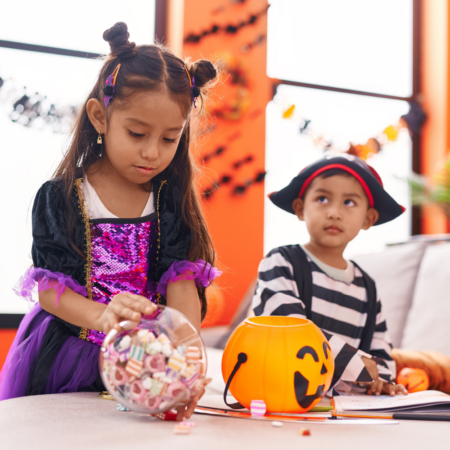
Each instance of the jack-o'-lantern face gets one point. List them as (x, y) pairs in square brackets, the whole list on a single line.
[(285, 361), (301, 383)]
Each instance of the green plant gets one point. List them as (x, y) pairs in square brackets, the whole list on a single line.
[(437, 191)]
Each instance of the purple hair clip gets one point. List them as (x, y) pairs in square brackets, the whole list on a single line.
[(108, 90), (195, 92)]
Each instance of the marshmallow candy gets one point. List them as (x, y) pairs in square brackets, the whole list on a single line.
[(124, 344), (153, 348)]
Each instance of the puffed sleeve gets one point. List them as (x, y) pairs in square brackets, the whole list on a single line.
[(56, 263)]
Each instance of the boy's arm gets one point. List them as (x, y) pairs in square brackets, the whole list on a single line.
[(381, 347), (277, 294)]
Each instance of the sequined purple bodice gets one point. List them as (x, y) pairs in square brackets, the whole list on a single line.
[(121, 255)]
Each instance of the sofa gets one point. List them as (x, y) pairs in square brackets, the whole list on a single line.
[(413, 282)]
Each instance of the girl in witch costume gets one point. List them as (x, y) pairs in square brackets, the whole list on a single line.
[(119, 229)]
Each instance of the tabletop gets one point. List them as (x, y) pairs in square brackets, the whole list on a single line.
[(83, 420)]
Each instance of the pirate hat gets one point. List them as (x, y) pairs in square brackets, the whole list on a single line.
[(369, 179)]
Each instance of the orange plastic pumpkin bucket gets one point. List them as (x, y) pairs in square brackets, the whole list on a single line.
[(285, 361)]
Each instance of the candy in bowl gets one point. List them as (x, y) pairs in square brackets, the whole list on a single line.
[(158, 364)]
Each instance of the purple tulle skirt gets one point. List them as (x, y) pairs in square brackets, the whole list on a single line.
[(47, 357)]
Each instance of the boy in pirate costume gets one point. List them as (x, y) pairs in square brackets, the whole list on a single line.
[(336, 197)]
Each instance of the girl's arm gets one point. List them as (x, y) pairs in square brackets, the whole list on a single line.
[(85, 313), (183, 296)]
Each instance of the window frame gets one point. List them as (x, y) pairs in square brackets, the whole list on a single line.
[(416, 219)]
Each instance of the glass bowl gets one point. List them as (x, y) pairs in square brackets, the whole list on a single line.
[(156, 365)]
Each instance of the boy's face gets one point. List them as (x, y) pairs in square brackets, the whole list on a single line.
[(335, 209)]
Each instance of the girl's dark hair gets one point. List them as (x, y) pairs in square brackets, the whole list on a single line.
[(151, 68)]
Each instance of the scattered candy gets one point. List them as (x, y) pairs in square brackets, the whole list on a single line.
[(277, 424), (304, 432), (121, 408), (182, 429), (257, 408), (188, 424)]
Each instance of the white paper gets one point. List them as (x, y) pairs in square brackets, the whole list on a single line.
[(388, 403)]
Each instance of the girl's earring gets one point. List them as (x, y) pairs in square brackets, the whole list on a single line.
[(99, 139)]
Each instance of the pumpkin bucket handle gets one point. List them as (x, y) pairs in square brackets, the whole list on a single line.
[(242, 358)]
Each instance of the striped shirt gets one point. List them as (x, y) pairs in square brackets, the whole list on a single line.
[(339, 309)]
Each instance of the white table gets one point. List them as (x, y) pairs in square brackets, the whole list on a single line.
[(84, 421)]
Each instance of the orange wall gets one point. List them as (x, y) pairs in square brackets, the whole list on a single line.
[(435, 88), (236, 223), (6, 338)]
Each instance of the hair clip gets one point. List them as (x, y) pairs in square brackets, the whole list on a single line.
[(195, 91), (108, 90)]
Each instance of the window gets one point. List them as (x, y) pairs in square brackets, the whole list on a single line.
[(32, 145), (347, 67)]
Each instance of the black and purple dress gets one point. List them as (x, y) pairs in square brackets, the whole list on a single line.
[(140, 256)]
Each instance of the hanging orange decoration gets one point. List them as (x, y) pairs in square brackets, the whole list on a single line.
[(284, 361), (288, 113), (414, 380), (391, 133)]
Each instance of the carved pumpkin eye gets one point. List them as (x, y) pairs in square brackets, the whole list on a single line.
[(307, 350), (325, 345)]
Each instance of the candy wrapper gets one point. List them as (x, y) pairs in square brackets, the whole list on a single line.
[(155, 366)]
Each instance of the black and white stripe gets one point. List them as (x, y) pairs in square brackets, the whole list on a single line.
[(338, 308)]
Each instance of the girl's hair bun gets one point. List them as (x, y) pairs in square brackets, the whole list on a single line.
[(117, 37), (203, 71)]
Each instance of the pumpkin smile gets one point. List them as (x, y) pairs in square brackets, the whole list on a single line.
[(301, 388), (301, 384)]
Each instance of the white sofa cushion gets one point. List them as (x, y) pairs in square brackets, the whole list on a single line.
[(395, 272), (428, 321)]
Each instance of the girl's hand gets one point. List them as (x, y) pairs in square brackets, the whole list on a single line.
[(186, 411), (382, 387), (124, 307)]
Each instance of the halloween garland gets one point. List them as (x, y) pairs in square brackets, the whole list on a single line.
[(229, 29), (36, 111), (412, 121), (238, 189), (241, 188)]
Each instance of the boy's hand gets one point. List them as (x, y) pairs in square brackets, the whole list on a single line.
[(382, 387), (371, 367), (124, 307), (378, 386)]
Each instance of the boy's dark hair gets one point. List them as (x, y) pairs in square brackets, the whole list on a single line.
[(151, 68)]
